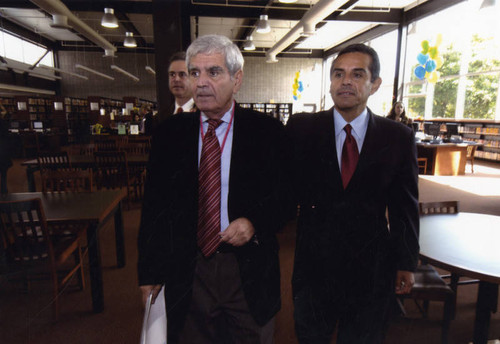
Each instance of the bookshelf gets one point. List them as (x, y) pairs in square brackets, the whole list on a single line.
[(281, 111), (484, 132)]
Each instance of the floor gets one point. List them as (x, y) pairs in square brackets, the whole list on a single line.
[(26, 317)]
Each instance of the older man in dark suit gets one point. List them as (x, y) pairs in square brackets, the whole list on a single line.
[(215, 197), (351, 169)]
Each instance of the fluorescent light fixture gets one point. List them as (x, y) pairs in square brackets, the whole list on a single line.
[(348, 9), (22, 70), (64, 71), (129, 41), (124, 72), (108, 19), (263, 25), (288, 1), (248, 45), (79, 66), (150, 70)]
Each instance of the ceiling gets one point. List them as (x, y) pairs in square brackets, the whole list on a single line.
[(236, 19)]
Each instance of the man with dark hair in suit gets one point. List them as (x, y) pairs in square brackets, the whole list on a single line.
[(179, 84), (214, 199), (351, 168)]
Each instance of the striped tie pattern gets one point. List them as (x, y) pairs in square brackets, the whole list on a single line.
[(209, 181), (350, 156)]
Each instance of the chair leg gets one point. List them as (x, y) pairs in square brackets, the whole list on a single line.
[(448, 314), (454, 286)]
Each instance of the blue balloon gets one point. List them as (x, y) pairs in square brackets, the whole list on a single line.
[(301, 88), (422, 58), (420, 72), (295, 98), (430, 65)]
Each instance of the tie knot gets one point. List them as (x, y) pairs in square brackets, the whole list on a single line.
[(179, 110), (348, 129), (213, 123)]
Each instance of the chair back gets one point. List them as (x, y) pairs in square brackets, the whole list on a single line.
[(111, 170), (446, 207), (24, 233), (74, 180), (108, 145), (136, 148), (53, 161)]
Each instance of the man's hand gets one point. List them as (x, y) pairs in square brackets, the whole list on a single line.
[(146, 290), (404, 282), (239, 232)]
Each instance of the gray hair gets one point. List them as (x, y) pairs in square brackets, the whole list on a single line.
[(217, 44)]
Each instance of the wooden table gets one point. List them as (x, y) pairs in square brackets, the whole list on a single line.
[(467, 244), (94, 208), (78, 161), (445, 159)]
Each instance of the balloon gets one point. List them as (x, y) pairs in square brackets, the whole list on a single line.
[(433, 52), (430, 66), (420, 72), (422, 59), (301, 87), (439, 39), (439, 62), (425, 47), (432, 77)]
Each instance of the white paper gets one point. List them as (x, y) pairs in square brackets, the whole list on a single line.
[(154, 325)]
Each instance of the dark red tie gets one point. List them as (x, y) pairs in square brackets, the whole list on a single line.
[(209, 181), (179, 110), (350, 156)]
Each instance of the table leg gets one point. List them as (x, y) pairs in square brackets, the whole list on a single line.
[(119, 237), (31, 178), (487, 299), (95, 269)]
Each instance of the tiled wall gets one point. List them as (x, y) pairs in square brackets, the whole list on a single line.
[(262, 82)]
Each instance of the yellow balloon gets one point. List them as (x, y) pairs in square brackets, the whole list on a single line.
[(439, 39), (439, 62), (432, 77)]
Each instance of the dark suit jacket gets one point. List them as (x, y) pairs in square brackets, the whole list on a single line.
[(343, 241), (167, 238)]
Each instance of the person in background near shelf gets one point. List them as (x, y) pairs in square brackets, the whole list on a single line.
[(214, 199), (148, 122), (398, 114), (179, 84), (350, 167), (5, 148)]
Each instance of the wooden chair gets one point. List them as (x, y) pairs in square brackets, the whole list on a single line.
[(112, 173), (53, 161), (30, 246), (446, 207), (422, 165), (73, 180), (106, 145), (81, 149), (471, 151)]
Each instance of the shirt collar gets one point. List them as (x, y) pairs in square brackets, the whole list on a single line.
[(186, 107), (226, 118), (359, 124)]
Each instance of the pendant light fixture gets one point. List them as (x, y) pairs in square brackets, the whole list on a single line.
[(248, 45), (109, 19), (263, 25), (129, 41)]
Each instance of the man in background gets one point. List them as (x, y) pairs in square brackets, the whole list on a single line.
[(179, 84), (350, 167), (214, 199)]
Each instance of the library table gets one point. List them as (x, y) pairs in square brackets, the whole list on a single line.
[(78, 161), (466, 244), (94, 208)]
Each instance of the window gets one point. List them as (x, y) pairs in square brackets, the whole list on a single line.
[(24, 51), (468, 84)]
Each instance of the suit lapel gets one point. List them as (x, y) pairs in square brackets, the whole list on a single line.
[(327, 149)]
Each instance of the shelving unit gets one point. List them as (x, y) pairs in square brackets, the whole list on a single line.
[(281, 111), (485, 132)]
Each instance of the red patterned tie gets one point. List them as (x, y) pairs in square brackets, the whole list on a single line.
[(350, 156), (209, 181)]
